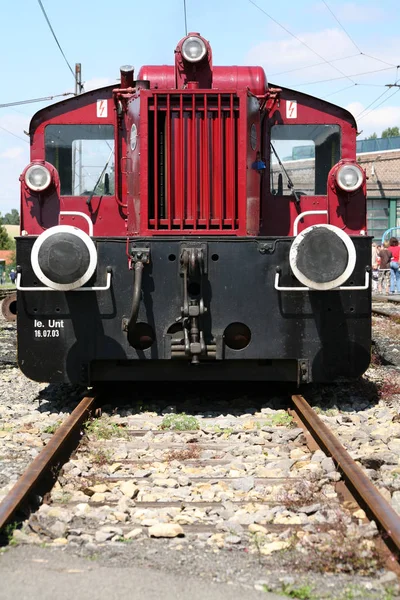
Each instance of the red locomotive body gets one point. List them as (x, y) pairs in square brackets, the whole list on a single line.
[(199, 249)]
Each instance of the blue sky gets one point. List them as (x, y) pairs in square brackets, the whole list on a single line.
[(103, 36)]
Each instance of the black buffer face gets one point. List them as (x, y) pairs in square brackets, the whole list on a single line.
[(322, 256), (64, 258)]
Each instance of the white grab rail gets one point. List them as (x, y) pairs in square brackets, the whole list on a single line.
[(304, 214), (352, 288), (100, 288)]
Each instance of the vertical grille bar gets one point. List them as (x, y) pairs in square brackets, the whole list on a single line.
[(206, 163), (220, 174), (193, 158), (189, 167), (181, 166), (193, 166), (156, 166), (217, 165), (168, 163), (230, 163)]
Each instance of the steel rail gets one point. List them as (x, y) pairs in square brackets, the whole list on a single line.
[(384, 313), (373, 503), (40, 475), (4, 292)]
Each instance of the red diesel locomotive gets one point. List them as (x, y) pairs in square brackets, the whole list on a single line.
[(193, 223)]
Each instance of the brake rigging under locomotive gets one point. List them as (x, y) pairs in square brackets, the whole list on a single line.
[(193, 223)]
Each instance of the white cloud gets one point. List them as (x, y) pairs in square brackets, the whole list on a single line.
[(351, 12), (97, 82), (12, 152), (16, 123), (376, 120), (14, 157), (289, 53), (283, 57)]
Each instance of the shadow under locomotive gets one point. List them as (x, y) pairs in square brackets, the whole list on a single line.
[(207, 310)]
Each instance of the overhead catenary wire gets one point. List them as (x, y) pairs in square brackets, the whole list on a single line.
[(55, 37), (345, 77), (299, 40), (342, 27), (352, 40), (341, 90), (185, 15), (378, 98), (364, 114), (32, 100), (326, 61), (314, 65), (14, 134)]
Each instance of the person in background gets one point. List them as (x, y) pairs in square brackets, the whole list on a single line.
[(385, 256), (13, 276), (374, 255), (375, 266), (394, 249)]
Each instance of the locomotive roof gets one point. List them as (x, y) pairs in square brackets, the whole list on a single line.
[(106, 92), (303, 98)]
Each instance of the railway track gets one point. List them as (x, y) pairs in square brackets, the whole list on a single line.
[(211, 481), (4, 292), (391, 298), (8, 304), (41, 474)]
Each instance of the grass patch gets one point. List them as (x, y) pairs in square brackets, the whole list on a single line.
[(336, 551), (302, 592), (180, 422), (279, 420), (192, 451), (305, 493), (358, 592), (7, 534), (104, 428), (52, 428), (389, 386), (226, 432), (101, 457)]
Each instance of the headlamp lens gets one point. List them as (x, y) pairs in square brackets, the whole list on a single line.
[(194, 49), (349, 178), (37, 178)]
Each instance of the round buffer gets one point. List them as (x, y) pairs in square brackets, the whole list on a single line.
[(322, 257), (64, 257)]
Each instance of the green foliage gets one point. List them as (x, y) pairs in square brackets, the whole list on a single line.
[(391, 132), (9, 533), (358, 592), (105, 429), (6, 243), (282, 419), (226, 432), (11, 218), (179, 422), (101, 457), (302, 592), (52, 428), (373, 136)]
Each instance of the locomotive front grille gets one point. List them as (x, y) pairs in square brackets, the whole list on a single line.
[(193, 158)]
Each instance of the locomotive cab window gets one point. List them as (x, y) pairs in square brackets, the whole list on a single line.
[(84, 158), (307, 154)]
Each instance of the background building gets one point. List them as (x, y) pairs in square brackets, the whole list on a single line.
[(380, 158)]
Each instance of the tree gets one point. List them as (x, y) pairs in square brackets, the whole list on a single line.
[(373, 136), (391, 132), (11, 218), (6, 243)]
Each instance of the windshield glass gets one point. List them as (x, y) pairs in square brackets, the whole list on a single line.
[(79, 153), (307, 153)]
